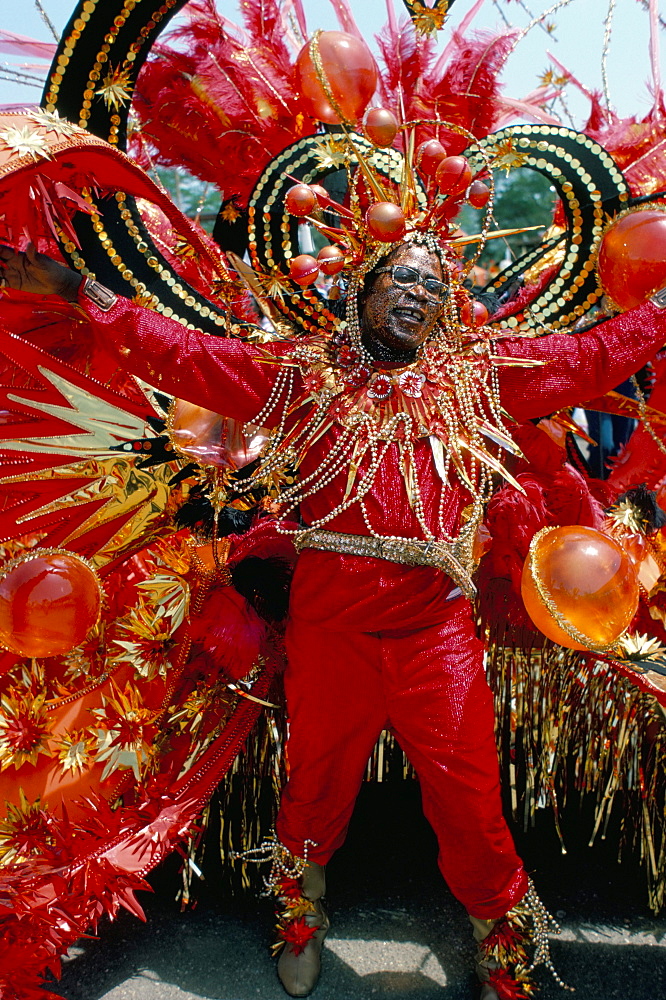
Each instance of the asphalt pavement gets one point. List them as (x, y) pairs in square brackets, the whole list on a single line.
[(396, 931)]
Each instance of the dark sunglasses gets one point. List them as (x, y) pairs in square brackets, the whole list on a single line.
[(407, 277)]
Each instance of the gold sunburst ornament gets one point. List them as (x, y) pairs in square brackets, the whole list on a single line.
[(24, 141), (639, 646), (51, 121), (24, 728), (116, 88), (76, 750)]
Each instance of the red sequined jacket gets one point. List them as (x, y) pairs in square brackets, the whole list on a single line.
[(229, 376)]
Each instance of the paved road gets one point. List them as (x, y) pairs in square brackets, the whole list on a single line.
[(396, 933)]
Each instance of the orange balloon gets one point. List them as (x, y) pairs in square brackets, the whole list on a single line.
[(300, 200), (385, 222), (331, 260), (590, 580), (304, 269), (632, 257), (49, 601), (473, 313), (429, 155), (211, 439), (381, 126), (351, 73)]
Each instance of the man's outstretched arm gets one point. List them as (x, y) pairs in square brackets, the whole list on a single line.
[(580, 366), (221, 373)]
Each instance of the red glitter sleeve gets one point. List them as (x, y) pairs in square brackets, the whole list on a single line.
[(579, 366), (223, 374)]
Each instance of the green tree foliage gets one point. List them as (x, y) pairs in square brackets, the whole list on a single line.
[(522, 198), (192, 196)]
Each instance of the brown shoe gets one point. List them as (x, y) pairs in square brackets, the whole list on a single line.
[(298, 967), (302, 926), (503, 965), (485, 964)]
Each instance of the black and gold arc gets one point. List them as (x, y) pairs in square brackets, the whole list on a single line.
[(91, 81)]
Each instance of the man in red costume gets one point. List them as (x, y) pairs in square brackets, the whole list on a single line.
[(380, 633)]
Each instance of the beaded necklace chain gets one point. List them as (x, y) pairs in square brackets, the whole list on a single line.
[(448, 395)]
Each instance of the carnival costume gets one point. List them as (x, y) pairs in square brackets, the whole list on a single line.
[(377, 471), (373, 643)]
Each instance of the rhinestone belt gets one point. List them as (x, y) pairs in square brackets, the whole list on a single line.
[(409, 551)]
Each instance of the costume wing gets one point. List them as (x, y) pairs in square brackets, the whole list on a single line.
[(108, 751)]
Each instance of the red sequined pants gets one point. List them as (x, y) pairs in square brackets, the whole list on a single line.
[(428, 687)]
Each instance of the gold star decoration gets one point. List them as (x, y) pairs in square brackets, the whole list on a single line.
[(117, 88), (190, 716), (427, 19), (550, 78), (331, 154), (52, 122), (627, 514), (217, 490), (25, 141), (275, 285), (169, 595), (175, 554), (640, 646), (86, 659), (24, 831), (146, 640), (506, 157), (230, 213), (76, 750), (225, 287), (127, 731), (24, 728)]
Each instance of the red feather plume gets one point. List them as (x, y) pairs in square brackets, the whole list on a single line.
[(218, 101), (407, 57), (230, 632), (467, 92)]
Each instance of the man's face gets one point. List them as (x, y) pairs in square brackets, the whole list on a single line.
[(399, 317)]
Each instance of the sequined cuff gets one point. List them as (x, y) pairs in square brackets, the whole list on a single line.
[(99, 295)]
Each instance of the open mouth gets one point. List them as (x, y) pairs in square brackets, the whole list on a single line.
[(412, 317)]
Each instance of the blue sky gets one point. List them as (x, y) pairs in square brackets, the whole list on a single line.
[(577, 41)]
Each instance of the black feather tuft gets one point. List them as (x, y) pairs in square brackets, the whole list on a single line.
[(264, 583), (197, 514)]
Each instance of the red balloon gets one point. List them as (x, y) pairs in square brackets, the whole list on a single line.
[(385, 222), (478, 194), (331, 260), (429, 155), (351, 73), (300, 200), (632, 257), (320, 192), (473, 313), (304, 269), (49, 601), (453, 175), (381, 126)]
